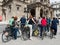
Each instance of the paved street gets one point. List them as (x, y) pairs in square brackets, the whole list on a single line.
[(35, 41)]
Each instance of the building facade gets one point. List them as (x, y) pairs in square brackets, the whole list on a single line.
[(36, 8), (56, 7)]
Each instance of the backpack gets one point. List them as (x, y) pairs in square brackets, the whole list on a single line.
[(43, 22), (35, 32), (11, 21)]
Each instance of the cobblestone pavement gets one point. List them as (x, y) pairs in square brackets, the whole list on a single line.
[(35, 41)]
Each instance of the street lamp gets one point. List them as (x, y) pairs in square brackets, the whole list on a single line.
[(26, 10)]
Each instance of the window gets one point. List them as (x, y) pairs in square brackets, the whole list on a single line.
[(48, 1), (45, 0), (59, 6), (5, 1), (34, 1), (57, 15), (56, 11), (22, 0), (41, 0), (59, 10), (25, 9), (18, 7)]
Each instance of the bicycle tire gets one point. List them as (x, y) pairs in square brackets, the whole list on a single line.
[(3, 40)]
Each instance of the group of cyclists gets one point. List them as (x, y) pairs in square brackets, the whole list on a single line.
[(43, 24)]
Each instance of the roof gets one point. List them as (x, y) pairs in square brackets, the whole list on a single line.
[(38, 4)]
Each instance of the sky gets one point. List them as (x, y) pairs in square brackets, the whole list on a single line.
[(54, 1)]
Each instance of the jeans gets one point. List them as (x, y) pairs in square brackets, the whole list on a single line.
[(43, 28), (33, 26), (48, 27), (15, 33)]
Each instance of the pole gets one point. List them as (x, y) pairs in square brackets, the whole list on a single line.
[(27, 12), (27, 15)]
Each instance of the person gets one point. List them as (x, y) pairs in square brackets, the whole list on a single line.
[(57, 21), (39, 23), (32, 22), (43, 25), (30, 26), (35, 19), (22, 23), (11, 24), (48, 23), (15, 27), (54, 25), (11, 20), (23, 20)]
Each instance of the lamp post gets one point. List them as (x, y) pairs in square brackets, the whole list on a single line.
[(26, 10)]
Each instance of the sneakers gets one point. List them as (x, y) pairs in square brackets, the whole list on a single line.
[(30, 38)]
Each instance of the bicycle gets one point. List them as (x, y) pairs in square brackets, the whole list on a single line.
[(7, 35), (51, 33), (25, 31)]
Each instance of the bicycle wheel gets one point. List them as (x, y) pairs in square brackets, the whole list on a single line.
[(4, 38), (51, 35), (24, 36), (42, 36)]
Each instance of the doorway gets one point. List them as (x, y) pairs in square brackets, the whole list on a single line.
[(41, 13), (32, 11)]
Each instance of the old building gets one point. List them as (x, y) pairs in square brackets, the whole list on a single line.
[(56, 7), (36, 8)]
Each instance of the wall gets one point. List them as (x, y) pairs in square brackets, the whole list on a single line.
[(14, 11)]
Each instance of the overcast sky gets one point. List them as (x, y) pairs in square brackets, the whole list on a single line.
[(54, 0)]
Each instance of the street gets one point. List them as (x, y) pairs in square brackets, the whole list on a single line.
[(35, 41)]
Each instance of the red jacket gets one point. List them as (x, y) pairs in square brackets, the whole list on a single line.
[(43, 22)]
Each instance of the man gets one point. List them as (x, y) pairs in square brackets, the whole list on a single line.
[(11, 20), (43, 25), (39, 24), (48, 23), (54, 25), (15, 27), (11, 24), (23, 20)]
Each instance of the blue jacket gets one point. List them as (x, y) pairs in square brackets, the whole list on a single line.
[(23, 20), (48, 21), (54, 24)]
